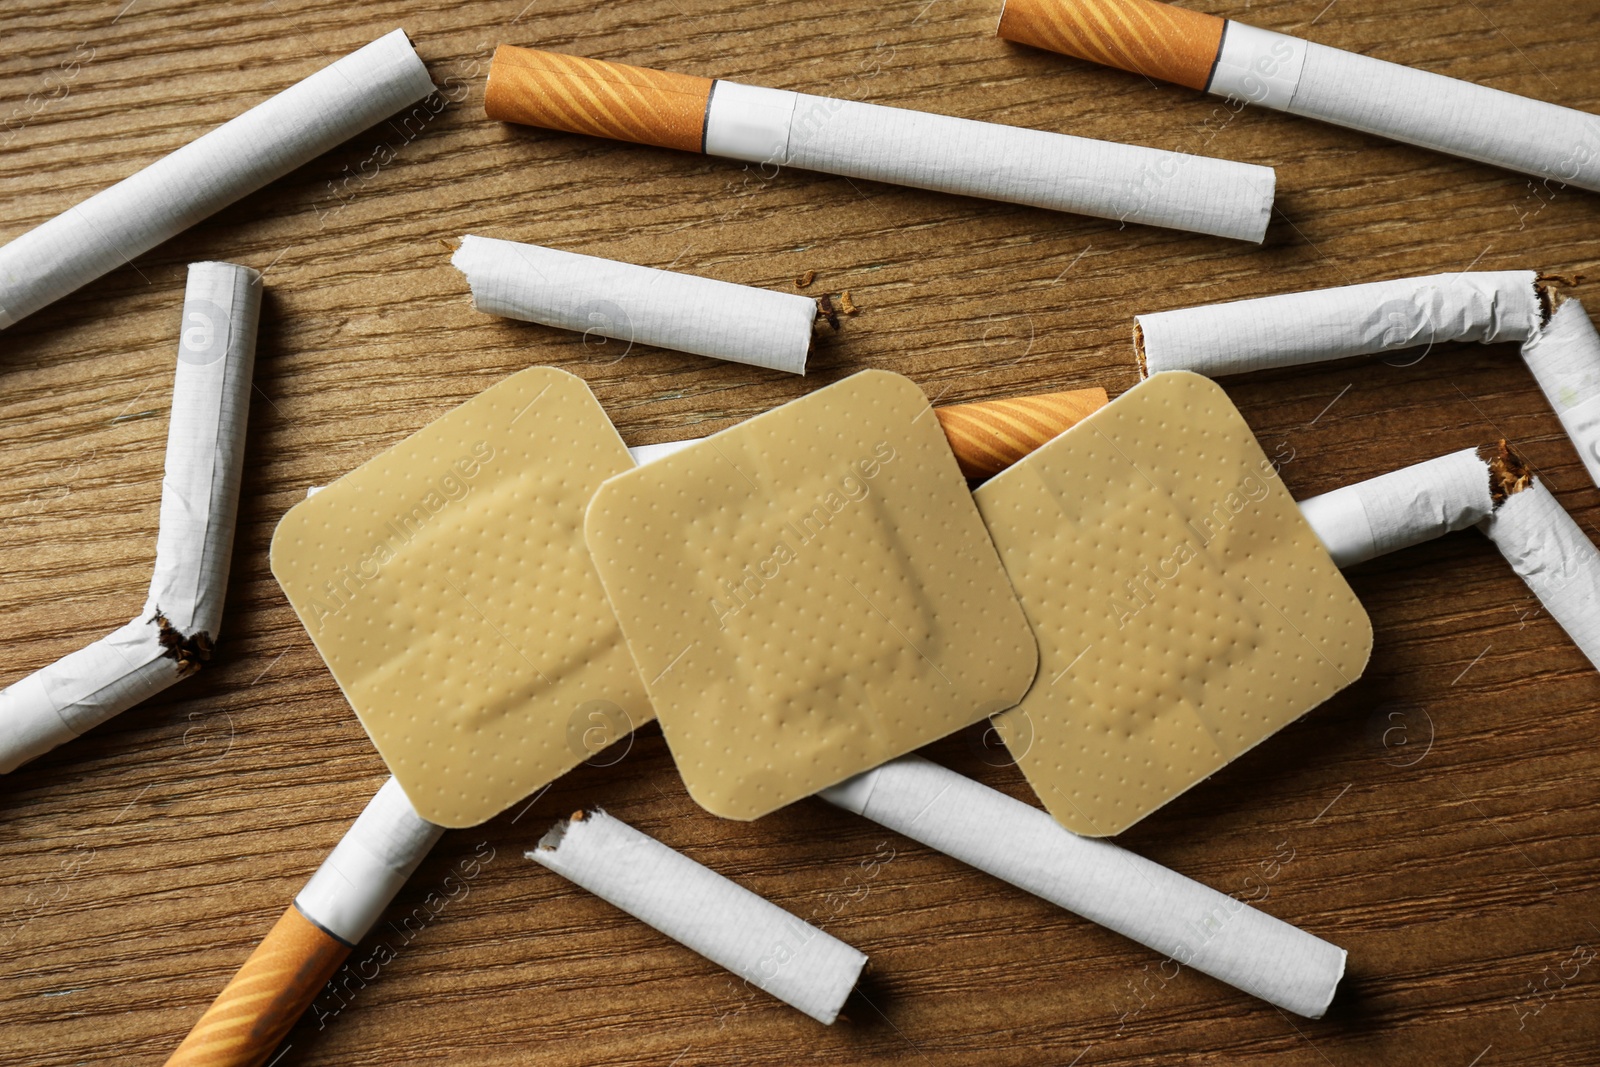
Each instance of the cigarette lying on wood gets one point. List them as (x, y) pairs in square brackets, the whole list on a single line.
[(268, 141), (1194, 925), (172, 636), (766, 946), (1254, 66), (778, 128), (1350, 320), (333, 912), (641, 305), (1565, 360)]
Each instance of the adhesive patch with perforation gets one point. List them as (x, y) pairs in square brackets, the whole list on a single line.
[(809, 594), (1185, 611), (447, 585)]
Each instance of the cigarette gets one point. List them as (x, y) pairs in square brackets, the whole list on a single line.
[(173, 634), (634, 304), (1565, 360), (778, 128), (1402, 508), (1248, 65), (766, 946), (1190, 923), (237, 158), (1352, 320), (302, 952), (986, 436)]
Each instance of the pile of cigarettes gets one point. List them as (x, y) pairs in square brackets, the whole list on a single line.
[(1490, 488)]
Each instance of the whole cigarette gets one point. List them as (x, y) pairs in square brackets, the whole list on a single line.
[(376, 856), (268, 141), (1565, 359), (641, 305), (173, 634), (729, 925), (1351, 320), (1193, 924), (1402, 508), (1275, 70), (778, 128)]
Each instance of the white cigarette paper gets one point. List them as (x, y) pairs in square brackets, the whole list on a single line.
[(1555, 558), (1401, 508), (634, 304), (174, 632), (1351, 320), (1408, 105), (1104, 179), (368, 866), (1565, 360), (643, 454), (1194, 925), (729, 925), (237, 158)]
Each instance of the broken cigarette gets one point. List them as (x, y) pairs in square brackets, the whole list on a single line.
[(777, 128), (1248, 65), (1565, 359), (334, 911), (634, 304), (1350, 320), (757, 940), (237, 158), (1194, 925), (172, 636)]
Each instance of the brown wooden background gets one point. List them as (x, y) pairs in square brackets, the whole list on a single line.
[(142, 862)]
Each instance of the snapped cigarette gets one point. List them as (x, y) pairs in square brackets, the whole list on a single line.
[(1248, 65), (1352, 320), (1565, 359), (778, 128), (700, 909), (172, 636), (634, 304), (1195, 925), (237, 158), (376, 856)]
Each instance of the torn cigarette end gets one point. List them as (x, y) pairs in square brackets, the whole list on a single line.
[(1138, 350), (190, 652), (1509, 474)]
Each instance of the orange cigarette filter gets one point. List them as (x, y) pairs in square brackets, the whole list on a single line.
[(989, 436), (1157, 40), (562, 92)]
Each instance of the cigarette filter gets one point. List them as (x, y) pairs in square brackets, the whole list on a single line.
[(301, 953), (1351, 320), (778, 128), (635, 304), (1195, 925), (1275, 70), (1565, 359), (727, 924), (1402, 508), (173, 634), (199, 179)]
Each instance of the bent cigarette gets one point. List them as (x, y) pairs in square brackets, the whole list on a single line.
[(778, 128), (1402, 508), (635, 304), (766, 946), (1350, 320), (1255, 66), (1565, 360), (1195, 925), (173, 634), (237, 158), (334, 911)]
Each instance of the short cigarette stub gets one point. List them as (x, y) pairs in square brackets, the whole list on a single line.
[(990, 435), (591, 96), (701, 910), (1161, 41)]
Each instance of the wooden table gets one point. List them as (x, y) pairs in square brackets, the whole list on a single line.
[(1438, 819)]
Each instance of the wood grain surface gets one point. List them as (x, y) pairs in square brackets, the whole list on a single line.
[(1439, 819)]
